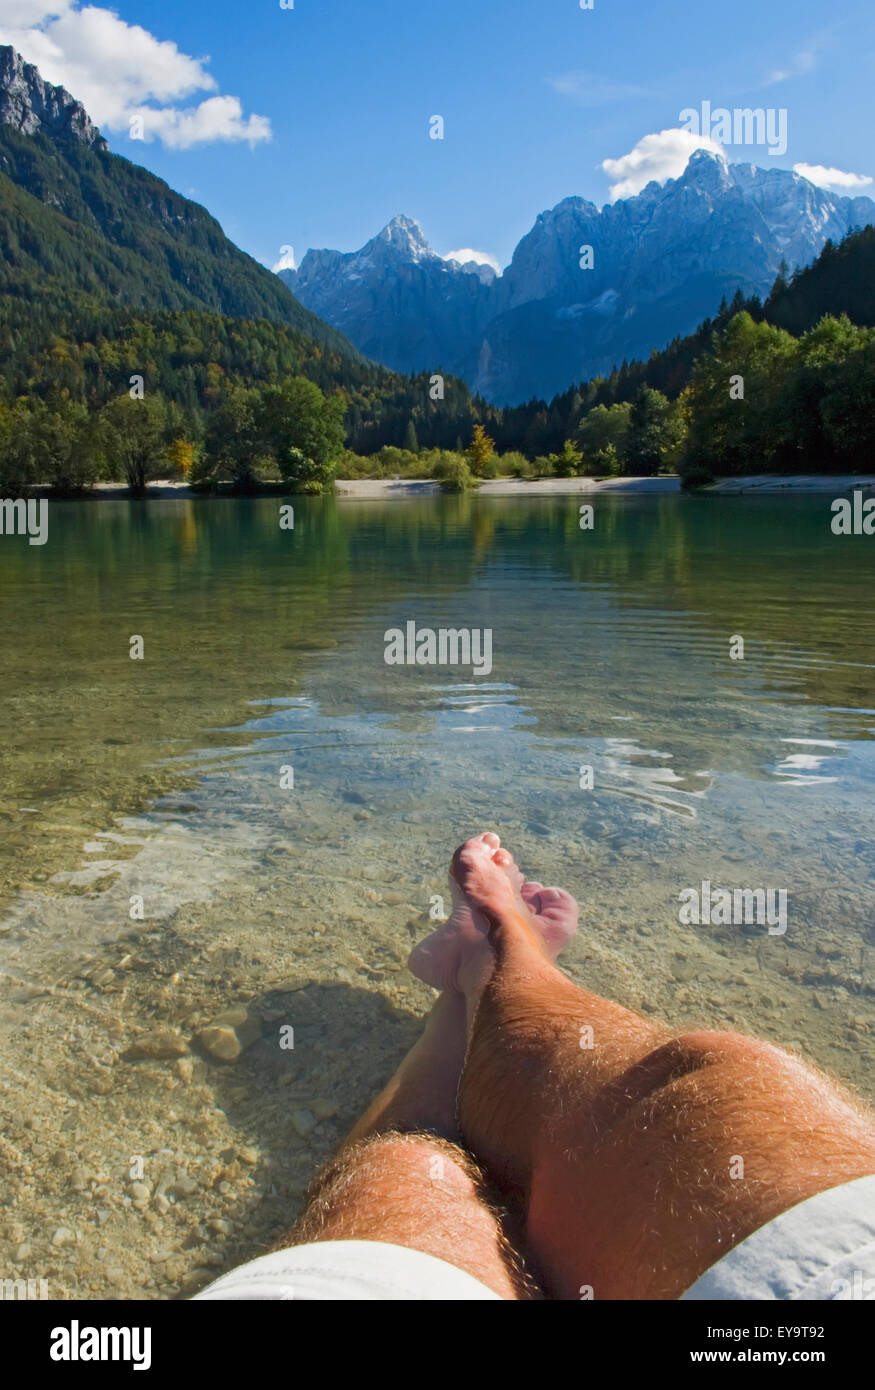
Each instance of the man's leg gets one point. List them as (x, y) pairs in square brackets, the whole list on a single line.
[(397, 1178), (627, 1141), (401, 1180), (418, 1191)]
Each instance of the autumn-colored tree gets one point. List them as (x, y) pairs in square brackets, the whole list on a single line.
[(480, 451), (180, 456)]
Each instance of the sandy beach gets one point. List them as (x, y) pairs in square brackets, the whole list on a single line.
[(834, 483), (761, 483), (396, 489), (383, 488)]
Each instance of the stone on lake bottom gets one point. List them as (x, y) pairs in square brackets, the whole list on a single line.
[(230, 1034)]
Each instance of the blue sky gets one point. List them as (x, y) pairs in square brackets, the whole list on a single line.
[(310, 126)]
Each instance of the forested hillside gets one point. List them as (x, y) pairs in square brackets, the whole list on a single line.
[(80, 222)]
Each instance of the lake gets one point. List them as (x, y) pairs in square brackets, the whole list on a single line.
[(277, 807)]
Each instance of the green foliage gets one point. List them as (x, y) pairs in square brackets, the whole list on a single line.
[(387, 462), (603, 427), (696, 476), (491, 468), (18, 452), (807, 404), (516, 465), (303, 431), (77, 224), (235, 445), (453, 472), (649, 434), (57, 446), (134, 440), (567, 464), (71, 457), (725, 434), (303, 474), (841, 281), (847, 409), (606, 463)]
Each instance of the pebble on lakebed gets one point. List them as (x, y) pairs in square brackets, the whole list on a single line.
[(161, 1045), (230, 1034)]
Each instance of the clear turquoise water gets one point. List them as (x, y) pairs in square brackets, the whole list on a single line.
[(264, 649)]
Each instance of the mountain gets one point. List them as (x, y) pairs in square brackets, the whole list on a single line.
[(405, 305), (662, 261), (81, 225), (29, 104)]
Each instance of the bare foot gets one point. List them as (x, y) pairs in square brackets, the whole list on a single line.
[(487, 884)]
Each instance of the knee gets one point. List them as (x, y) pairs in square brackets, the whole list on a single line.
[(395, 1163), (707, 1048), (757, 1064), (699, 1071)]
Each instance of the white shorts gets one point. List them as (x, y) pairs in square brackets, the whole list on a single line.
[(824, 1249), (345, 1270)]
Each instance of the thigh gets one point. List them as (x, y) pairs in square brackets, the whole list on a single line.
[(683, 1156), (419, 1191)]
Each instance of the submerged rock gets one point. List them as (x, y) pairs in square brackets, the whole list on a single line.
[(230, 1034), (162, 1045), (303, 1122)]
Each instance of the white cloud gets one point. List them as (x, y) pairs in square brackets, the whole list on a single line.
[(802, 63), (286, 260), (591, 89), (20, 13), (836, 180), (660, 156), (120, 71), (479, 258), (217, 118)]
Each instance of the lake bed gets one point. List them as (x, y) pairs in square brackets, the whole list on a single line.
[(163, 786)]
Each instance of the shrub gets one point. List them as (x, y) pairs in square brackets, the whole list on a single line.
[(304, 474), (567, 464), (608, 462), (490, 468), (696, 475), (452, 472), (515, 465)]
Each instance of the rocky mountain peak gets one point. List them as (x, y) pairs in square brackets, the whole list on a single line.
[(405, 236), (29, 104)]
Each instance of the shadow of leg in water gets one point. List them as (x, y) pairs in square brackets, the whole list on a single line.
[(324, 1053)]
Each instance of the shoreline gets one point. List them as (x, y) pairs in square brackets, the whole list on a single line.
[(397, 489)]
